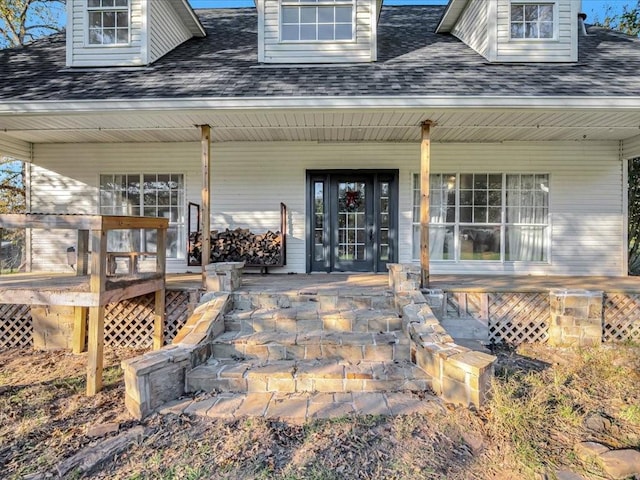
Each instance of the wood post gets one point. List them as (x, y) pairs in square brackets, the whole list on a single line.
[(158, 312), (79, 329), (96, 314), (82, 268), (425, 167), (205, 131)]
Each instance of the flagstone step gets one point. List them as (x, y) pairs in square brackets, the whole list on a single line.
[(309, 317), (296, 376), (311, 345), (301, 407), (333, 299)]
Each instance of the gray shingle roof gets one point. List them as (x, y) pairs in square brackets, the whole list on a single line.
[(412, 60)]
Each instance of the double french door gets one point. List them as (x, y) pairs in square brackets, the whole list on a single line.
[(352, 217)]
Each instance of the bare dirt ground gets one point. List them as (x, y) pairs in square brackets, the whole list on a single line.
[(544, 402)]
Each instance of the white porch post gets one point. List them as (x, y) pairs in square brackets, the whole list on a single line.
[(205, 141), (425, 160)]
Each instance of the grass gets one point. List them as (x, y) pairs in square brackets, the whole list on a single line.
[(528, 429)]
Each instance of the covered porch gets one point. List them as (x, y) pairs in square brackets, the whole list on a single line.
[(240, 162)]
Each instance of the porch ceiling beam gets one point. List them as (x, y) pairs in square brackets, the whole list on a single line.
[(205, 141), (425, 166)]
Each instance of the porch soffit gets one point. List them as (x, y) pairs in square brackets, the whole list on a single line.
[(325, 125)]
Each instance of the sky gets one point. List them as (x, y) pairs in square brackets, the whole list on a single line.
[(593, 8)]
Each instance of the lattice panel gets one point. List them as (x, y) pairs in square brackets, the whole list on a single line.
[(621, 317), (178, 307), (516, 318), (130, 322), (127, 324), (16, 326), (466, 305)]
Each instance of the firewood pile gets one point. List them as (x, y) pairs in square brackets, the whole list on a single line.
[(239, 245)]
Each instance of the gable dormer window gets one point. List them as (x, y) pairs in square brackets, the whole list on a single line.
[(316, 20), (532, 20), (108, 22)]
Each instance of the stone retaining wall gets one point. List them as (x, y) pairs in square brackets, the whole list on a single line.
[(158, 377), (459, 375)]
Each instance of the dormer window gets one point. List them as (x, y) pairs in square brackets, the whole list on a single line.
[(532, 20), (108, 22), (316, 20)]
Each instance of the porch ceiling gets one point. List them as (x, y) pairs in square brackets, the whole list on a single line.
[(337, 125)]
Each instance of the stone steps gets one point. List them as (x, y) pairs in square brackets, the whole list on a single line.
[(301, 407), (298, 376), (303, 344), (310, 317), (311, 345), (332, 299)]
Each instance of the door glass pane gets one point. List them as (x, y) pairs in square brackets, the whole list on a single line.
[(318, 213), (383, 223), (351, 221)]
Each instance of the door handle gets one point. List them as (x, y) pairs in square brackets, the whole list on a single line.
[(371, 234)]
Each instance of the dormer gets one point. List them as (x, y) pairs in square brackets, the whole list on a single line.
[(108, 33), (317, 31), (516, 30)]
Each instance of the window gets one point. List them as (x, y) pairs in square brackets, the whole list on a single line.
[(485, 216), (532, 20), (149, 195), (316, 20), (108, 22)]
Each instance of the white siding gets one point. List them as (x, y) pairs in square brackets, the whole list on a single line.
[(249, 180), (81, 54), (166, 31), (471, 27), (363, 49), (631, 148), (14, 148), (562, 49)]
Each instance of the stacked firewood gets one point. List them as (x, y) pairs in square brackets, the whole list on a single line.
[(239, 245)]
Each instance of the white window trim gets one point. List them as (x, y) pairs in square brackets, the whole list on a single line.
[(502, 225), (303, 3), (89, 9), (556, 34)]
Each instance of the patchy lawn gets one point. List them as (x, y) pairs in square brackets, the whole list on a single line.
[(545, 401)]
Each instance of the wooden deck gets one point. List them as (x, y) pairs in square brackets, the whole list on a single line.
[(463, 283), (90, 290), (63, 289)]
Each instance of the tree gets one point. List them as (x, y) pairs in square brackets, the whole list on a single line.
[(627, 21), (634, 216), (22, 21), (12, 200)]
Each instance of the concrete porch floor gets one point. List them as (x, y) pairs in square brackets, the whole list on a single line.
[(330, 283)]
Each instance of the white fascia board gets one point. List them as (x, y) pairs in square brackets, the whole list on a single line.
[(293, 103), (199, 30), (450, 17)]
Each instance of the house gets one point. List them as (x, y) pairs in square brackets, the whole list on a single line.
[(526, 122)]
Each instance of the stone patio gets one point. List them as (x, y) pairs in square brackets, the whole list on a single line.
[(302, 407)]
